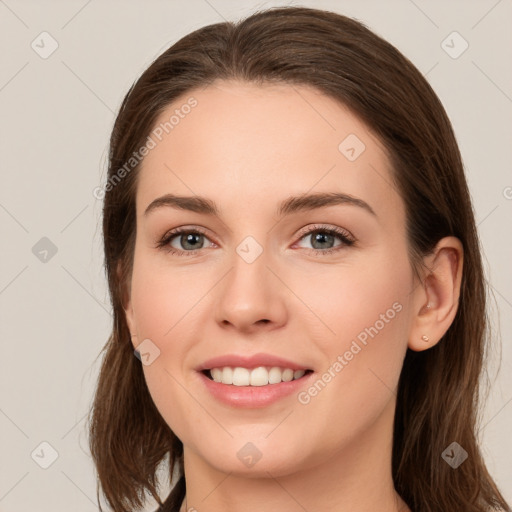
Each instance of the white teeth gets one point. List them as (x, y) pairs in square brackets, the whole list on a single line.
[(287, 375), (216, 374), (274, 375), (241, 377), (297, 374), (260, 376), (226, 375)]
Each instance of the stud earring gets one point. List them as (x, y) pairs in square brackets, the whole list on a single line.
[(428, 306), (424, 338)]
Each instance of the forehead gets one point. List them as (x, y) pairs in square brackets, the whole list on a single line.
[(242, 143)]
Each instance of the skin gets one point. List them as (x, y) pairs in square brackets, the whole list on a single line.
[(248, 147)]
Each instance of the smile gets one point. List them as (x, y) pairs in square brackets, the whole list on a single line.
[(260, 376)]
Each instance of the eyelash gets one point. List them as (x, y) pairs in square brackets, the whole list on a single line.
[(343, 235)]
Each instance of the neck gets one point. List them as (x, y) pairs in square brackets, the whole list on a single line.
[(357, 478)]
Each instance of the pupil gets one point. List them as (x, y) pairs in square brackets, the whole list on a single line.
[(322, 237), (190, 238)]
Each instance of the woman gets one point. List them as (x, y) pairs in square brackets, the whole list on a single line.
[(298, 377)]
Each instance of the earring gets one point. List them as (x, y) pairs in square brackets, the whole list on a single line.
[(424, 338), (428, 306)]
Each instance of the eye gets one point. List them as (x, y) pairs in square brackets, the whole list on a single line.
[(189, 241), (323, 238), (183, 241)]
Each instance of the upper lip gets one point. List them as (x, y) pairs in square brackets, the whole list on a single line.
[(252, 361)]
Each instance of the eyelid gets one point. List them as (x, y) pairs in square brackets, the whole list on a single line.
[(165, 239), (325, 227)]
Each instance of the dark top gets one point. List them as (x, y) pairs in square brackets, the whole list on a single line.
[(175, 499)]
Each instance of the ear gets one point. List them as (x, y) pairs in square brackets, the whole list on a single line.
[(436, 299), (127, 305)]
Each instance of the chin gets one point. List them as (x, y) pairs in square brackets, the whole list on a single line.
[(253, 459)]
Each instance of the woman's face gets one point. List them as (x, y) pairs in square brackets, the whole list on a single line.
[(265, 275)]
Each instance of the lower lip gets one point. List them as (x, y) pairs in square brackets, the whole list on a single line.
[(253, 396)]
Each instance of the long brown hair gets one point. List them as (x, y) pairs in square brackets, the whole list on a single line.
[(438, 388)]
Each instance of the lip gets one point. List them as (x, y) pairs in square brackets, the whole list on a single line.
[(253, 397), (250, 362)]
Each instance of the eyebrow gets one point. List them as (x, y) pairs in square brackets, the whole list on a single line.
[(291, 205)]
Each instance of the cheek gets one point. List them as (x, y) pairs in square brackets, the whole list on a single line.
[(365, 300), (362, 335), (168, 304), (163, 299)]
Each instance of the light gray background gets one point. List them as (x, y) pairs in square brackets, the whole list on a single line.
[(57, 114)]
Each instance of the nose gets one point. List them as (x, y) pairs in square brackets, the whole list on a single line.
[(251, 297)]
